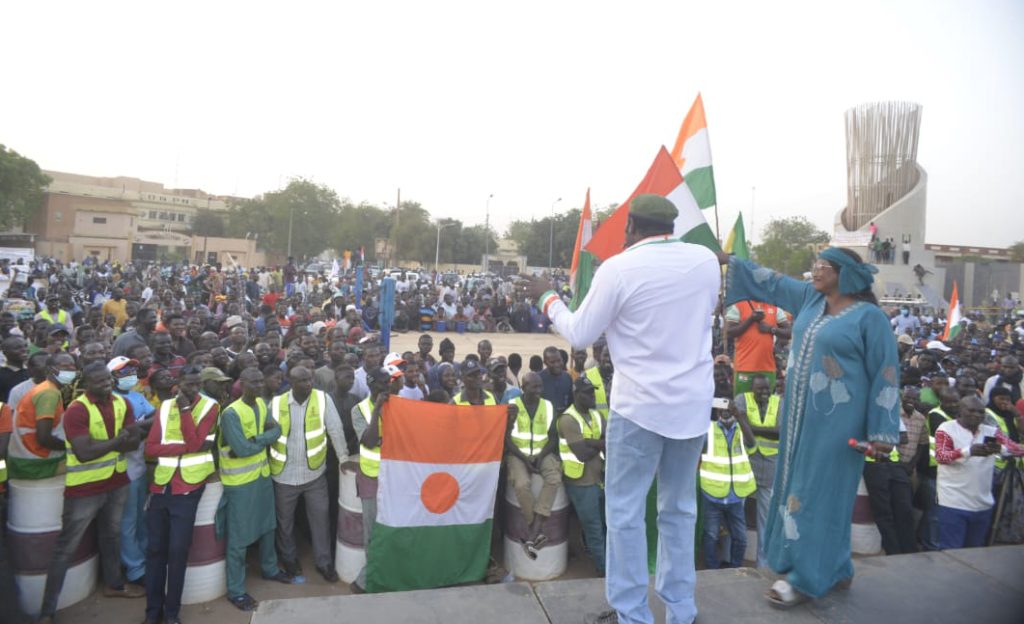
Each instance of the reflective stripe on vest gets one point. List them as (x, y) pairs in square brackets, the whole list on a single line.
[(1000, 460), (101, 468), (530, 435), (771, 418), (242, 470), (600, 395), (195, 467), (931, 436), (488, 399), (316, 436), (722, 467), (572, 467), (369, 458)]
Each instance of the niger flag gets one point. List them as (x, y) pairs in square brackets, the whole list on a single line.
[(684, 176), (582, 271), (435, 499)]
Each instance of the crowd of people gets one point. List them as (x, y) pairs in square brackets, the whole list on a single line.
[(139, 383)]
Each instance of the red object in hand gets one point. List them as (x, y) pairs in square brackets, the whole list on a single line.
[(861, 446)]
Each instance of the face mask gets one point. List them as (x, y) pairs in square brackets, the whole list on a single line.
[(127, 383), (65, 378)]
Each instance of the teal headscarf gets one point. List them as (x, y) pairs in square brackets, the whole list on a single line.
[(853, 276)]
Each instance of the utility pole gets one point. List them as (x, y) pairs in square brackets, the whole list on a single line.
[(487, 233), (551, 235)]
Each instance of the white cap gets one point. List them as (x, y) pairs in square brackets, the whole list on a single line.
[(937, 345), (120, 362)]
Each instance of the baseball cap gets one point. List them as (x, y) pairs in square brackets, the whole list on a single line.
[(120, 362), (212, 373), (350, 307), (582, 385), (394, 359), (937, 345), (496, 364), (233, 320), (471, 367), (905, 339), (57, 328)]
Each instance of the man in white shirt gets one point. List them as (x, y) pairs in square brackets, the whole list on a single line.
[(654, 302)]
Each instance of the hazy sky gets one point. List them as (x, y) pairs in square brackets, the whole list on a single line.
[(530, 101)]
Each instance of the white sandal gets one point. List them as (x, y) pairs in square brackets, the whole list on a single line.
[(785, 596)]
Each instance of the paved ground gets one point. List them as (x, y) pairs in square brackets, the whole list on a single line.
[(980, 585)]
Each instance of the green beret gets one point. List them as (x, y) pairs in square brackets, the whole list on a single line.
[(653, 208)]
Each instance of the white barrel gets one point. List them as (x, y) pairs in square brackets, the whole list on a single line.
[(864, 536), (553, 558), (33, 526), (206, 574), (349, 554)]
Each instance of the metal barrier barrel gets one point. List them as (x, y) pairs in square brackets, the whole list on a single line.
[(349, 555), (206, 574), (33, 526), (552, 559)]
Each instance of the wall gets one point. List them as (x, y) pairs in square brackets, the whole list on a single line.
[(103, 224)]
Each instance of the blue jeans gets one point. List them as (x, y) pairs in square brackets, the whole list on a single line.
[(735, 521), (133, 530), (928, 526), (635, 456), (963, 529), (588, 501)]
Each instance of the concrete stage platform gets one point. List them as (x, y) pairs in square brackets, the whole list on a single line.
[(957, 586)]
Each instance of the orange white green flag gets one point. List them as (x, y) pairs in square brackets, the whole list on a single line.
[(953, 317), (435, 499), (582, 271), (684, 176)]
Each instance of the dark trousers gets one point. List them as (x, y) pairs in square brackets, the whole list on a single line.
[(169, 524), (106, 509), (890, 495), (963, 529), (735, 521), (314, 494)]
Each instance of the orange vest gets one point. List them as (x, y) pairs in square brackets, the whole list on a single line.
[(23, 438), (756, 351)]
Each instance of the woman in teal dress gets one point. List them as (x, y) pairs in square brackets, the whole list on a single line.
[(842, 382)]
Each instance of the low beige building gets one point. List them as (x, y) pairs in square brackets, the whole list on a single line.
[(122, 219)]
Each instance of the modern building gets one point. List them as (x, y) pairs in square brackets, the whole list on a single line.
[(122, 218), (887, 194)]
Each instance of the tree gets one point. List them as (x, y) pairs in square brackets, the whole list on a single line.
[(311, 208), (22, 184), (1017, 251), (788, 245), (208, 223), (537, 239)]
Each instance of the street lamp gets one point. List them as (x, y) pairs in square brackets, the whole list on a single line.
[(487, 232), (551, 235), (437, 250)]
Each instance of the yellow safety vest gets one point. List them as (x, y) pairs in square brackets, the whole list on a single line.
[(1000, 461), (316, 435), (369, 458), (600, 395), (894, 456), (488, 399), (195, 467), (531, 436), (722, 467), (101, 468), (931, 436), (3, 460), (764, 446), (572, 467), (241, 470)]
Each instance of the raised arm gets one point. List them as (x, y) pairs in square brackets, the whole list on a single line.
[(746, 280)]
